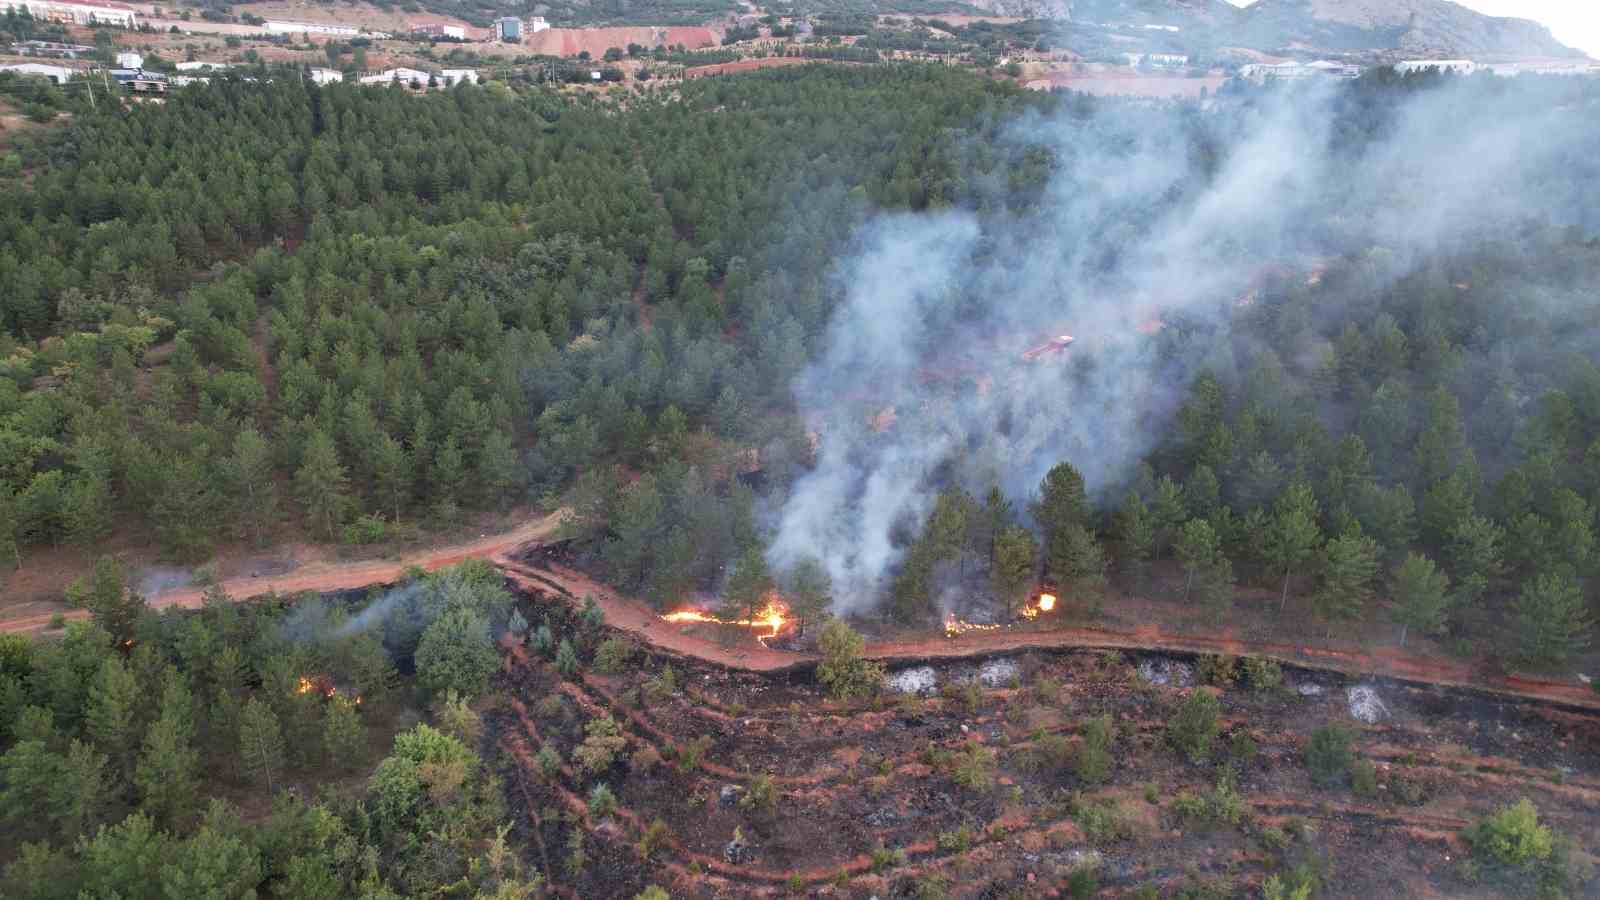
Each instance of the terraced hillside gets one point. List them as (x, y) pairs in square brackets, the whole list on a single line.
[(1023, 775)]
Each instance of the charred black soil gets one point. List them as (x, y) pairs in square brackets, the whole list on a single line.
[(970, 788)]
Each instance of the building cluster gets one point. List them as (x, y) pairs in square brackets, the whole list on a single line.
[(1157, 60), (511, 28), (419, 78), (50, 49), (437, 30), (102, 12), (1298, 71)]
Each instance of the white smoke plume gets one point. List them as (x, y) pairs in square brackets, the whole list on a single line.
[(1147, 211)]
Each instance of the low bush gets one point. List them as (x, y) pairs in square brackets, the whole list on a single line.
[(1328, 754)]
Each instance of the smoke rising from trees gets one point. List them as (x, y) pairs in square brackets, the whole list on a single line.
[(1151, 224)]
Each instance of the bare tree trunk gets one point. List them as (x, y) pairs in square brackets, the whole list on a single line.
[(1403, 628), (1283, 601)]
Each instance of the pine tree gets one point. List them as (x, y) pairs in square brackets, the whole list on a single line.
[(113, 701), (168, 772), (1350, 562), (261, 749), (1013, 568), (343, 735), (810, 593), (80, 792), (1421, 596), (320, 485), (1135, 534), (1552, 621), (111, 605), (250, 482), (1293, 535), (392, 471)]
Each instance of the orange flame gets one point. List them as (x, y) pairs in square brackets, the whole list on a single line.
[(773, 617), (305, 686), (1047, 602), (954, 627)]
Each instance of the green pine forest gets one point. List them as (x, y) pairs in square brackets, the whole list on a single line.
[(267, 310)]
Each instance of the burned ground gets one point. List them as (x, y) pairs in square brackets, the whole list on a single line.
[(894, 796)]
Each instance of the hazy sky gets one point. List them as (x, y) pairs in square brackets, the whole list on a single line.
[(1575, 23)]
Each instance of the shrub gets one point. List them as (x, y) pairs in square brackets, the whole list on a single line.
[(842, 669), (1049, 751), (58, 622), (653, 838), (1084, 882), (1102, 821), (1194, 726), (602, 803), (662, 686), (1328, 754), (1093, 759), (602, 742), (550, 706), (1221, 805), (612, 656), (884, 858), (652, 892), (644, 759), (974, 770), (566, 658), (958, 841), (1263, 674), (1242, 748), (760, 795), (1219, 670), (1513, 836), (549, 762), (797, 883), (1363, 778), (690, 753)]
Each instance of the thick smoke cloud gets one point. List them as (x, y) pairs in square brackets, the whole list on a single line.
[(1149, 215)]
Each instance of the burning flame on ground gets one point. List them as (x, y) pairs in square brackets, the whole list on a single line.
[(324, 686), (773, 616), (954, 627)]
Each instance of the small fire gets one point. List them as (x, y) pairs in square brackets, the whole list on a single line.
[(1047, 602), (772, 616), (325, 686), (954, 627)]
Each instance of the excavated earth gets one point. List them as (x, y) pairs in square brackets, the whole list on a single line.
[(866, 802)]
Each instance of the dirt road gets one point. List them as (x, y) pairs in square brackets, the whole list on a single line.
[(634, 617), (333, 576)]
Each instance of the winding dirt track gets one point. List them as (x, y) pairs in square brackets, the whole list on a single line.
[(630, 615), (323, 577)]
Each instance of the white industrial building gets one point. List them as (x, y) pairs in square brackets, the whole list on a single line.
[(325, 76), (1458, 66), (453, 77), (402, 75), (433, 29), (277, 27), (75, 13), (1294, 71), (128, 60), (58, 74), (537, 24), (202, 66)]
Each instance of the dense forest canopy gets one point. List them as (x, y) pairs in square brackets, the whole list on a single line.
[(1340, 344), (354, 311)]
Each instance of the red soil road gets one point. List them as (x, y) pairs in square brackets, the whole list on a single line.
[(334, 576), (634, 617), (572, 41), (630, 615)]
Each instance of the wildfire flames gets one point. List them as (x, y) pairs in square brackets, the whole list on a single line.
[(954, 627), (773, 616), (324, 685)]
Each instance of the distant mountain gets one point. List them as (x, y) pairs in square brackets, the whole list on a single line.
[(1393, 28), (1427, 28)]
